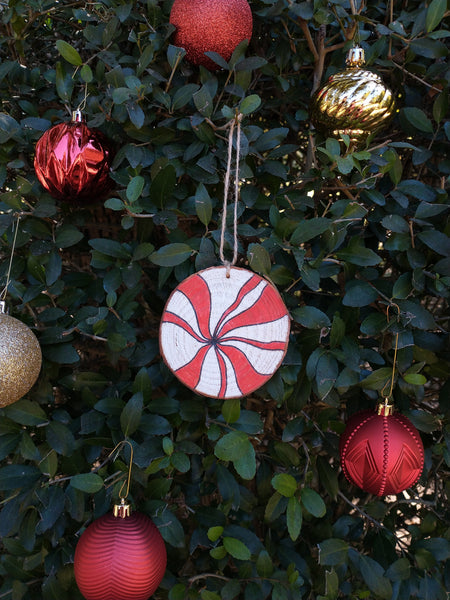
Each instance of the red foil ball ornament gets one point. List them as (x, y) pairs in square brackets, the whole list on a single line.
[(120, 557), (211, 26), (72, 161), (381, 453)]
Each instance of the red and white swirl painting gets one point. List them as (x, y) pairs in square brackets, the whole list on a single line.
[(224, 337)]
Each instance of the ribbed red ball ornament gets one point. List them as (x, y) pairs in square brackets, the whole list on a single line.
[(73, 161), (120, 556), (381, 452), (211, 26)]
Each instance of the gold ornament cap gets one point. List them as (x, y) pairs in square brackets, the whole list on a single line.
[(122, 510), (355, 57), (385, 410)]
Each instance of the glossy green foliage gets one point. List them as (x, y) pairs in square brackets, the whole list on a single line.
[(248, 494)]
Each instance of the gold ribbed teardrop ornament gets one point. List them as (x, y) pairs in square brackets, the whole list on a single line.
[(354, 101)]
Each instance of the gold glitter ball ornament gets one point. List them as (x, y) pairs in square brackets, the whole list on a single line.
[(20, 359), (354, 101)]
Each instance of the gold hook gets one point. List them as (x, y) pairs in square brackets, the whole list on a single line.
[(117, 448), (394, 364)]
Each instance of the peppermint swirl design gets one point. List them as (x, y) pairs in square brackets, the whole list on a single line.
[(224, 337)]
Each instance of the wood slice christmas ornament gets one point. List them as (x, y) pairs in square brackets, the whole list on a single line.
[(210, 26), (120, 556), (225, 330), (354, 101), (381, 452), (73, 162), (224, 336)]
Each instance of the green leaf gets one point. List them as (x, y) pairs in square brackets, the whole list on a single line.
[(249, 104), (331, 584), (64, 83), (163, 185), (60, 438), (232, 446), (259, 259), (171, 255), (326, 374), (26, 413), (327, 476), (357, 254), (285, 484), (18, 476), (310, 228), (429, 48), (378, 379), (236, 447), (251, 63), (134, 188), (214, 533), (170, 528), (180, 462), (110, 248), (264, 564), (203, 204), (333, 552), (69, 53), (246, 464), (399, 570), (294, 518), (313, 502), (359, 293), (90, 483), (236, 548), (436, 240), (131, 414), (373, 574), (184, 95), (440, 105), (424, 421), (310, 317), (415, 379), (67, 235), (231, 410), (435, 13), (203, 101), (418, 119), (86, 74)]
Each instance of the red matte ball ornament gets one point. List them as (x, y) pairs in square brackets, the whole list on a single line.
[(381, 453), (72, 161), (211, 26), (120, 556)]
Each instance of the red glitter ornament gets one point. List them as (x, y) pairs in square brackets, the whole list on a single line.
[(120, 557), (381, 453), (72, 161), (211, 26)]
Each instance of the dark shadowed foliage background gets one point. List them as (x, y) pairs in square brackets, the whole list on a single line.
[(248, 494)]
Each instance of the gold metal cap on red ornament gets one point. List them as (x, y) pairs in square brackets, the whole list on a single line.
[(355, 101)]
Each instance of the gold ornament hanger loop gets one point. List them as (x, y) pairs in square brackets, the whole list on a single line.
[(388, 405), (123, 509)]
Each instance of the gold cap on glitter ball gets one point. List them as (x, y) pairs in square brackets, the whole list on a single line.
[(355, 101), (20, 358)]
